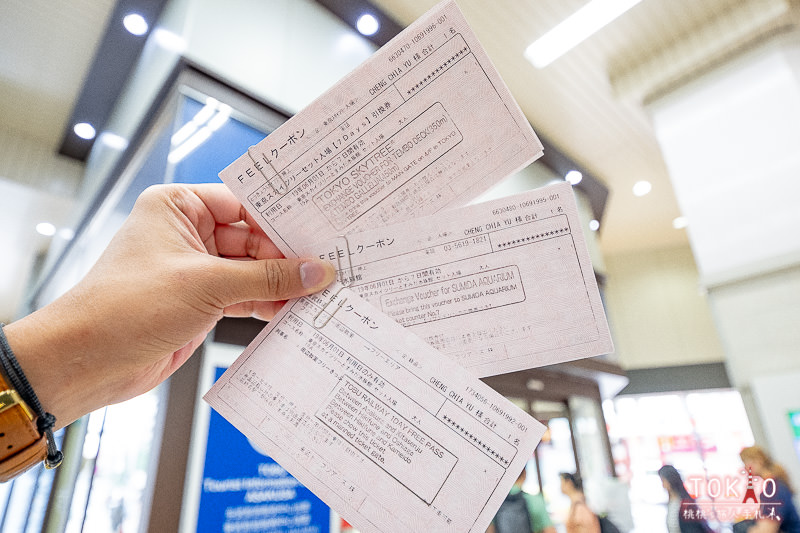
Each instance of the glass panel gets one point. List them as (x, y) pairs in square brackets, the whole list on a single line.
[(23, 501), (719, 439), (686, 430), (531, 484), (117, 452), (590, 440), (555, 454), (605, 494), (16, 517)]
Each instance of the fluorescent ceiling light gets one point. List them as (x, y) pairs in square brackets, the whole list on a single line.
[(198, 120), (192, 135), (220, 118), (640, 188), (198, 138), (575, 29), (680, 223), (367, 24), (84, 130), (135, 24), (574, 177)]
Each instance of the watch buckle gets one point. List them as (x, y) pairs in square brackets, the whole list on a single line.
[(9, 398)]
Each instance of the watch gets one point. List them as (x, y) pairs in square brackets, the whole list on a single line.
[(21, 445)]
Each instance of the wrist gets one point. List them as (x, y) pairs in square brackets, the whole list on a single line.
[(26, 429), (44, 345)]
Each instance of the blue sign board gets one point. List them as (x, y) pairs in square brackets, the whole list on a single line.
[(244, 491)]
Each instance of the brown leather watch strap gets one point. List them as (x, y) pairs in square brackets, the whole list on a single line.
[(21, 445)]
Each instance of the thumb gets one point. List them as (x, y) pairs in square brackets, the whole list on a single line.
[(268, 279)]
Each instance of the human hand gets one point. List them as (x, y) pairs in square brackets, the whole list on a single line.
[(186, 256)]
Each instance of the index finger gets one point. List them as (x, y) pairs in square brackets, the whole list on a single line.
[(217, 200), (221, 203)]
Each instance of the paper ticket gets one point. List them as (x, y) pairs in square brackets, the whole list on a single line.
[(383, 428), (500, 286), (423, 124)]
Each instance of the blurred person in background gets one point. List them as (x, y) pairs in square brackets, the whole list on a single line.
[(580, 518), (522, 512), (777, 510), (680, 500)]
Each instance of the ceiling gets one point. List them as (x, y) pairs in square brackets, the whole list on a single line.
[(46, 49), (588, 103)]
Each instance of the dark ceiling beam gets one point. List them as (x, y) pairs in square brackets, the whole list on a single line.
[(351, 10), (114, 60)]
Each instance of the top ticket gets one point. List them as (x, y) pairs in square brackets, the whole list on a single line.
[(424, 124)]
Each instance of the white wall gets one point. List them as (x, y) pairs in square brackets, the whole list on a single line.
[(658, 314), (730, 141), (759, 322)]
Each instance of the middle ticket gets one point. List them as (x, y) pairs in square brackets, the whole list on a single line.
[(499, 286)]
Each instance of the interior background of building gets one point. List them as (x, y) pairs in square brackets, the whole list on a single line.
[(700, 99)]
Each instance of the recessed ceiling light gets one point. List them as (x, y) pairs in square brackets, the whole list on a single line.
[(84, 130), (135, 23), (594, 225), (367, 24), (574, 177), (640, 188), (46, 229), (575, 29), (66, 233), (680, 223), (535, 385)]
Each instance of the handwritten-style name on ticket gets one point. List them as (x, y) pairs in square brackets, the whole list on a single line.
[(500, 286), (423, 124), (383, 428)]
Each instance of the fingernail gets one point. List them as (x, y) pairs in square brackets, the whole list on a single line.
[(314, 273)]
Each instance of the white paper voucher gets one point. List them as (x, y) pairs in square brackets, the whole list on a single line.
[(423, 124), (383, 428), (500, 286)]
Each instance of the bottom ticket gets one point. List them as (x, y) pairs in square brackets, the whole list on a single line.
[(386, 430)]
